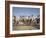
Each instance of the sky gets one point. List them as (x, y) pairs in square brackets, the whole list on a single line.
[(22, 11)]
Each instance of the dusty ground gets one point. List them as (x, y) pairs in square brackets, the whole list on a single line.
[(24, 28)]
